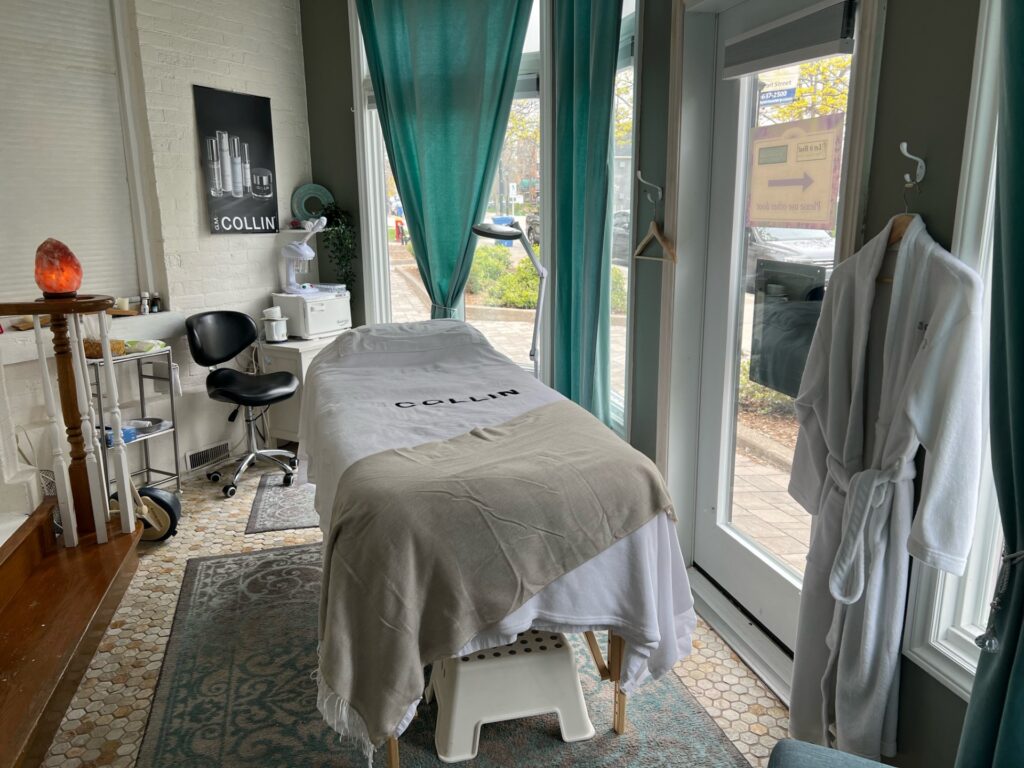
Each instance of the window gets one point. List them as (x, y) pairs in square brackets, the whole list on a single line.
[(795, 119), (947, 613), (63, 152), (501, 293), (621, 212)]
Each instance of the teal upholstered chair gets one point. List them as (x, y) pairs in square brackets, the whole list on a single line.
[(789, 753)]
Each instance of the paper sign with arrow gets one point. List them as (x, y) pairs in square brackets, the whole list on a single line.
[(794, 171)]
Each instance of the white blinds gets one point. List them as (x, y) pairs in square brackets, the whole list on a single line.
[(62, 161)]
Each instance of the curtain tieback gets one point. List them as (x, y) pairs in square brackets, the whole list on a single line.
[(989, 641)]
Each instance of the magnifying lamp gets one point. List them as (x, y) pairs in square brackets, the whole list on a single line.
[(502, 232)]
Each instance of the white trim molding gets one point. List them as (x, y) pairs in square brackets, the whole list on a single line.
[(545, 366), (772, 665), (370, 159), (945, 612), (978, 166), (860, 125), (138, 151)]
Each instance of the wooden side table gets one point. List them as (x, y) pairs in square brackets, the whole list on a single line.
[(59, 310)]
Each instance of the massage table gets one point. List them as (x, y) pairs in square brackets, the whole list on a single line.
[(403, 385)]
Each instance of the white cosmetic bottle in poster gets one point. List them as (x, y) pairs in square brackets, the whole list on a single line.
[(236, 167), (246, 171), (225, 160)]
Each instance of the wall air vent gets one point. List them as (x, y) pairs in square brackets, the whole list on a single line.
[(206, 456)]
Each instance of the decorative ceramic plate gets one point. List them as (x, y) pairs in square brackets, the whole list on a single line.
[(306, 194)]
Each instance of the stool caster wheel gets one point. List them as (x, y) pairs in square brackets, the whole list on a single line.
[(287, 480), (229, 490), (213, 477), (293, 463)]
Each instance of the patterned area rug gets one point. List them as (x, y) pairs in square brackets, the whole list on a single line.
[(277, 508), (235, 689)]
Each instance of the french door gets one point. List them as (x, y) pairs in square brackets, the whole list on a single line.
[(776, 163)]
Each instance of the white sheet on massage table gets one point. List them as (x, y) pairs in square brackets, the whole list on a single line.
[(637, 586)]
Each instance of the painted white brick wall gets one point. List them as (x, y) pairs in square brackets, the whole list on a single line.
[(250, 46)]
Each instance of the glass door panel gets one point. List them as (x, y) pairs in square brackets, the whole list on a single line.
[(777, 172), (791, 173)]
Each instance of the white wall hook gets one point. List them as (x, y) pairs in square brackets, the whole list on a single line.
[(921, 168), (660, 192)]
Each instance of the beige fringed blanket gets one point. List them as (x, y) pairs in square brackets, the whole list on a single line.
[(428, 546)]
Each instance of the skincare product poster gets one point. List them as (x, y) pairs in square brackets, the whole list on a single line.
[(236, 153)]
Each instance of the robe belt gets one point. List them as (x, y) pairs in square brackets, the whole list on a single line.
[(866, 494)]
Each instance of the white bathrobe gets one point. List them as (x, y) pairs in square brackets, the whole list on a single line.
[(845, 676)]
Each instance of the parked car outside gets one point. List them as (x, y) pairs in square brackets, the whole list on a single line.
[(621, 246), (533, 228), (815, 247)]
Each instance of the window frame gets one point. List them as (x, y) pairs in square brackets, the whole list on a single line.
[(134, 126), (535, 72), (370, 155), (940, 631), (618, 405), (141, 182)]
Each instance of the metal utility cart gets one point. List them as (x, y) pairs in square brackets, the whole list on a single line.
[(145, 369)]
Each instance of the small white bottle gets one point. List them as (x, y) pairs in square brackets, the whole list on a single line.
[(214, 177), (144, 303), (246, 171), (225, 160), (236, 167)]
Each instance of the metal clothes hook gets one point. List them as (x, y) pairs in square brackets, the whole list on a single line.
[(653, 200), (921, 167)]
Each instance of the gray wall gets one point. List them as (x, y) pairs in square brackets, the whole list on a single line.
[(927, 63), (931, 718), (332, 139), (651, 136)]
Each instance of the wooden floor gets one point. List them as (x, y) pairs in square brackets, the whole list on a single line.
[(55, 604)]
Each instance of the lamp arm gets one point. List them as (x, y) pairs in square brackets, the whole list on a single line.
[(543, 273)]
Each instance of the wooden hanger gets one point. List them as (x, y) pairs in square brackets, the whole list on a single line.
[(899, 227), (654, 233), (896, 233)]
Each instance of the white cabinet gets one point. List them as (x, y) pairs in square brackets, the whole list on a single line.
[(293, 356)]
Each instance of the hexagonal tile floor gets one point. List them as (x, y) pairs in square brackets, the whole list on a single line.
[(106, 719)]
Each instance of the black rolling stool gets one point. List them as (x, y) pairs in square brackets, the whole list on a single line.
[(215, 338)]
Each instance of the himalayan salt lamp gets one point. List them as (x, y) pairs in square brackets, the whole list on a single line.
[(58, 271)]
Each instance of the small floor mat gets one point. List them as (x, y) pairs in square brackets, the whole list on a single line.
[(236, 689), (277, 508)]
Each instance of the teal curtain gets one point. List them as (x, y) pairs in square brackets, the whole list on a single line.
[(994, 730), (444, 73), (586, 47)]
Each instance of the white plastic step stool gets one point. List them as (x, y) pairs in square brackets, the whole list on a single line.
[(534, 675)]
